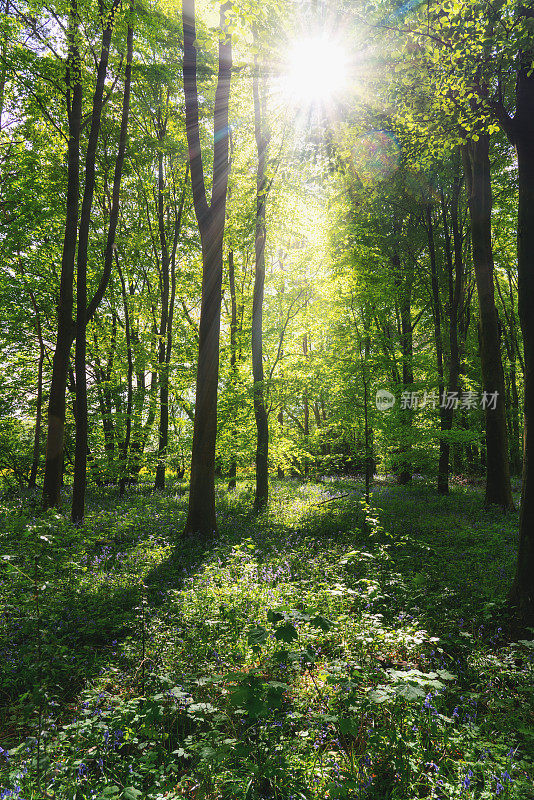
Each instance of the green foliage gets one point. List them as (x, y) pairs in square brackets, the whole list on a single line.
[(313, 653)]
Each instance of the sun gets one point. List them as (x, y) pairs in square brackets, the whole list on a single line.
[(316, 71)]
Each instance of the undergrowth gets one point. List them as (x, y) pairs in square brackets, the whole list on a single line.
[(323, 650)]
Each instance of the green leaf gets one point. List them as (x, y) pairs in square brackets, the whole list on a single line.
[(445, 675), (409, 692), (131, 793), (378, 696), (274, 616), (321, 622), (257, 635), (286, 633)]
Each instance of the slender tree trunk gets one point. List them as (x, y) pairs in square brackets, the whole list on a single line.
[(124, 468), (306, 403), (168, 270), (455, 293), (3, 68), (522, 591), (260, 412), (232, 472), (56, 405), (163, 432), (201, 520), (105, 400), (279, 471), (405, 465), (38, 414), (478, 183), (80, 457), (444, 414)]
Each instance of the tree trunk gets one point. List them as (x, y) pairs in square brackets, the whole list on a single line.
[(124, 471), (168, 296), (163, 369), (478, 183), (262, 424), (201, 520), (232, 472), (279, 470), (80, 457), (405, 465), (522, 591), (445, 417), (38, 414), (3, 68), (60, 365)]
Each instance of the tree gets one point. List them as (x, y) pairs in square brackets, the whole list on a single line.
[(262, 137), (477, 174), (83, 311), (201, 519)]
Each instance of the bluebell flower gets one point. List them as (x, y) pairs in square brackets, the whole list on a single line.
[(467, 779)]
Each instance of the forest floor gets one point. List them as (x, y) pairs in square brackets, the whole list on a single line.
[(322, 650)]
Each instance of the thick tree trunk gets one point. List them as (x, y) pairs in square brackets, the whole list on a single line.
[(260, 412), (522, 591), (478, 183), (201, 520), (56, 405)]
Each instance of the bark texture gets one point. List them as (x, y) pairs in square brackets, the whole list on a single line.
[(60, 365), (201, 520), (522, 591), (478, 184), (82, 315)]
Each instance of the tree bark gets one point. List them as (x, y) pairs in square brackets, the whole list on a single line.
[(201, 519), (478, 183), (163, 370), (522, 590), (262, 423), (38, 413), (406, 336), (80, 456), (444, 449), (124, 471), (56, 405), (232, 472), (168, 270)]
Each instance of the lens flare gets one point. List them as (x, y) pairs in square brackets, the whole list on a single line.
[(316, 71)]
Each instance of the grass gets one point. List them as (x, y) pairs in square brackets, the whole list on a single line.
[(322, 650)]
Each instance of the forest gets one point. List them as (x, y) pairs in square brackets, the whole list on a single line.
[(267, 360)]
